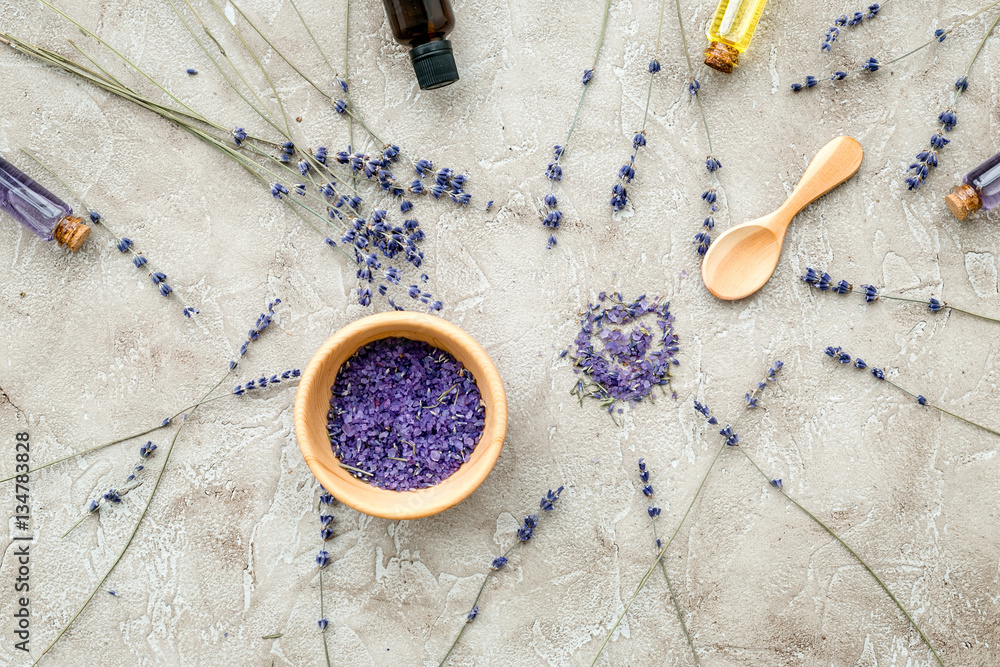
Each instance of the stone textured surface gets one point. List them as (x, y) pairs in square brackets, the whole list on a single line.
[(224, 556)]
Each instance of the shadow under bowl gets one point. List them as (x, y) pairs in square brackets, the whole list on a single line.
[(312, 402)]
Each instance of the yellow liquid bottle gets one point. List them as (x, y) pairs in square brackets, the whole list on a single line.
[(730, 32)]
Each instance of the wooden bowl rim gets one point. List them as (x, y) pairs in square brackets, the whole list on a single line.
[(312, 403)]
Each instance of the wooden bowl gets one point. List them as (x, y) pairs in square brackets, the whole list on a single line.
[(312, 402)]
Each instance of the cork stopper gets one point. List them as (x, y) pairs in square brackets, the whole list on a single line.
[(722, 57), (71, 232), (963, 200)]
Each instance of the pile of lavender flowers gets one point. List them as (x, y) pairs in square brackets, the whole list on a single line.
[(628, 364), (372, 241), (404, 415)]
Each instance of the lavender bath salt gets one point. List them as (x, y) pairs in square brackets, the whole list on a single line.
[(404, 415)]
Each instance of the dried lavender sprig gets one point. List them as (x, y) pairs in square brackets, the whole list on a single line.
[(702, 239), (928, 159), (874, 65), (288, 153), (156, 485), (163, 424), (654, 513), (619, 193), (728, 441), (322, 560), (238, 133), (123, 243), (264, 382), (259, 108), (668, 542), (524, 534), (821, 281), (554, 172), (128, 542), (263, 321), (855, 19), (377, 234), (777, 484), (114, 496), (341, 107), (179, 118), (192, 112), (842, 357)]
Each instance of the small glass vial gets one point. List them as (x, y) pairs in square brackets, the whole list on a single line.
[(979, 189), (730, 32), (423, 25), (39, 210)]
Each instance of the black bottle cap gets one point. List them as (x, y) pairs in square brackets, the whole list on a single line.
[(434, 64)]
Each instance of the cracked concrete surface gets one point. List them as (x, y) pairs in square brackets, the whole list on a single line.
[(224, 556)]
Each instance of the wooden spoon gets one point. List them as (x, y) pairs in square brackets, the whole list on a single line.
[(740, 261)]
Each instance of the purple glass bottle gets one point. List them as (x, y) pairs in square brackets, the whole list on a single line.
[(979, 189), (39, 210)]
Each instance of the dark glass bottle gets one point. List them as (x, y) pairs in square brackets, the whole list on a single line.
[(423, 25), (39, 210)]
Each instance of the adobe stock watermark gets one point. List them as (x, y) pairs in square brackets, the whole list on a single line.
[(22, 536)]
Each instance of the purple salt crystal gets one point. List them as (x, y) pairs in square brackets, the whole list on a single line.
[(404, 415)]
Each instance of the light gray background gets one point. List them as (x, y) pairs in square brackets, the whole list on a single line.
[(90, 352)]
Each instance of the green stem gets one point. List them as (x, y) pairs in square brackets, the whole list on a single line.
[(926, 302), (129, 63), (93, 62), (261, 110), (687, 55), (145, 509), (121, 553), (968, 70), (73, 527), (263, 70), (940, 409), (322, 614), (663, 550), (87, 451), (583, 95), (982, 42), (943, 304), (277, 51), (475, 602), (937, 40), (312, 37), (347, 81), (124, 439), (677, 606), (858, 558), (962, 310)]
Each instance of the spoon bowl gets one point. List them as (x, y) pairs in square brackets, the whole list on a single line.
[(751, 249), (742, 260)]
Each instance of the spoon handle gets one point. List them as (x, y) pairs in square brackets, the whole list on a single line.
[(835, 163)]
